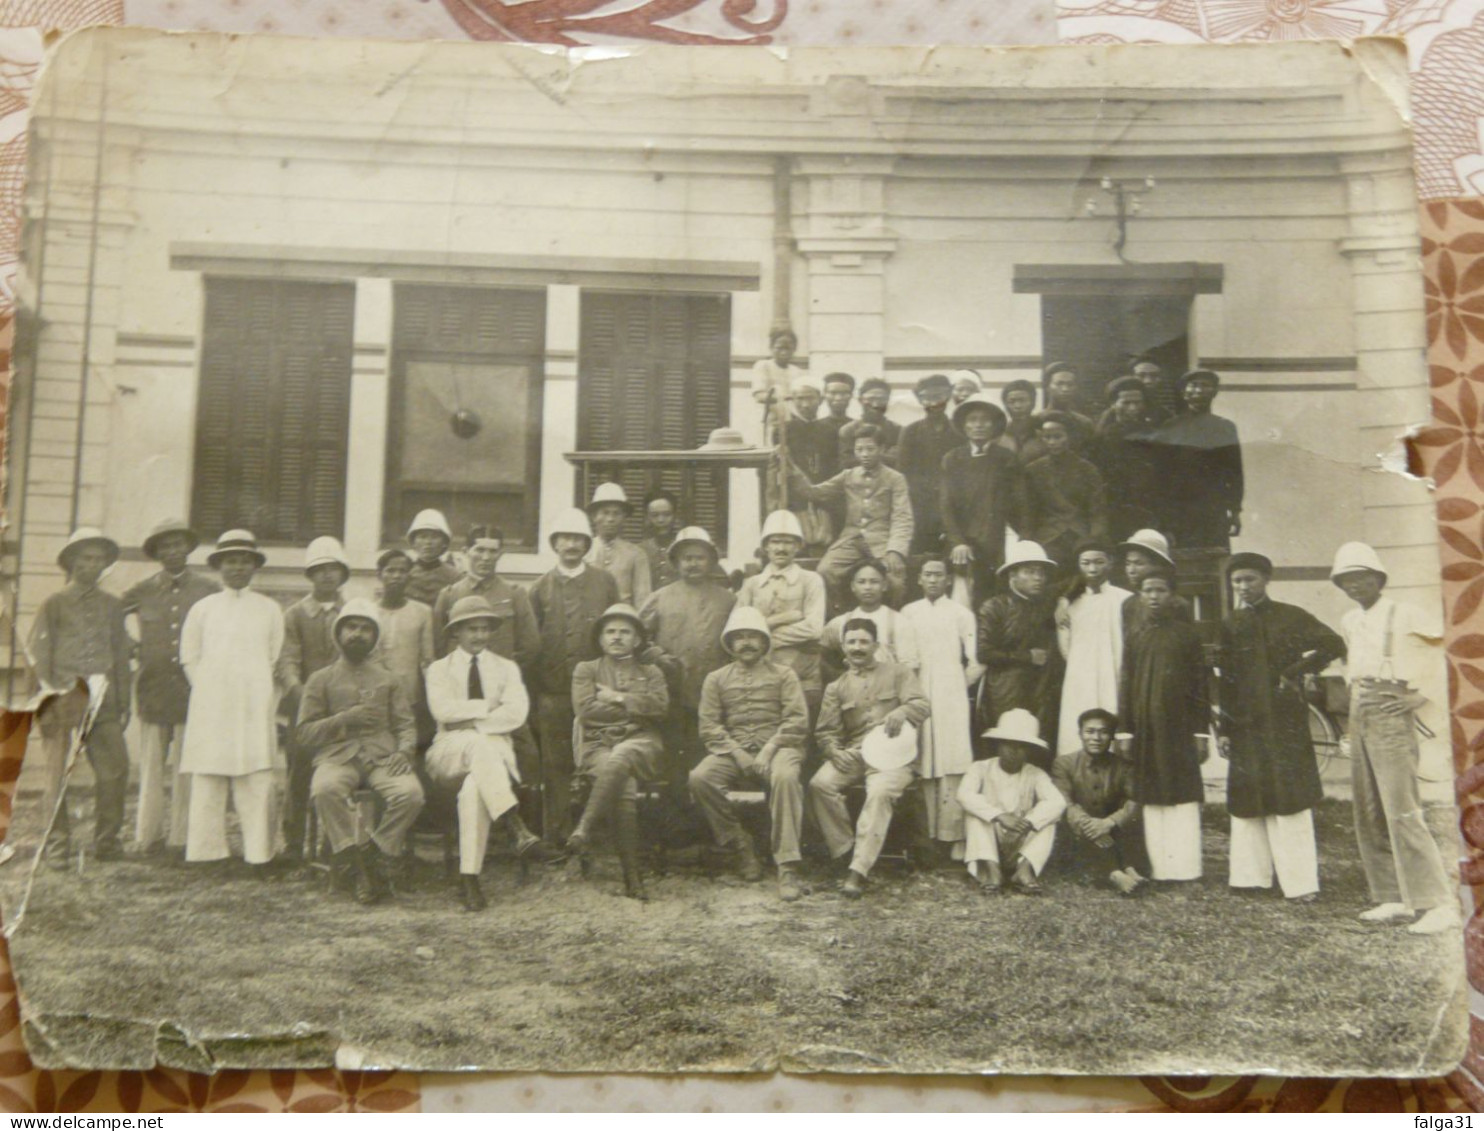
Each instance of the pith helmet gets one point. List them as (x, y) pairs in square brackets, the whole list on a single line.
[(359, 607), (745, 618), (997, 417), (430, 520), (233, 541), (166, 528), (1025, 553), (326, 550), (782, 523), (610, 493), (1353, 557), (471, 608), (84, 536), (693, 536), (571, 521), (1018, 725), (1151, 542), (619, 611)]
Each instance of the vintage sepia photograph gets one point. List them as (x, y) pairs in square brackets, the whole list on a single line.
[(726, 559)]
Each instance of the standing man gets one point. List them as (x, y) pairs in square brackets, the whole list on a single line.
[(1121, 453), (1061, 393), (308, 646), (896, 637), (981, 494), (1267, 649), (868, 695), (949, 669), (517, 638), (754, 722), (430, 538), (792, 601), (1020, 434), (661, 519), (613, 554), (405, 638), (79, 632), (161, 603), (1089, 632), (920, 458), (774, 377), (1395, 669), (356, 722), (567, 603), (839, 390), (1066, 499), (1159, 399), (1199, 466), (878, 516), (621, 703), (1010, 808), (684, 622), (1103, 826), (478, 700), (814, 452), (966, 383), (875, 396), (228, 648), (1146, 552), (1017, 644)]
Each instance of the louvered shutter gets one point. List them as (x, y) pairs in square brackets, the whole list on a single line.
[(273, 410), (653, 375)]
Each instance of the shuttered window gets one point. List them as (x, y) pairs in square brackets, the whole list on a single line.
[(465, 409), (273, 409), (653, 374)]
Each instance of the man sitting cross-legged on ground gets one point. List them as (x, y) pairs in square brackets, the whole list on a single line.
[(753, 720), (477, 698), (871, 693), (356, 723), (621, 704), (1010, 809), (1102, 816)]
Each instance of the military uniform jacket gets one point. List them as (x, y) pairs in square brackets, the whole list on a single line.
[(161, 603)]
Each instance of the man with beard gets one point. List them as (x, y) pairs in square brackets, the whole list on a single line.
[(356, 723)]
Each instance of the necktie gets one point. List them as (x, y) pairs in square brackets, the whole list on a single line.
[(476, 685)]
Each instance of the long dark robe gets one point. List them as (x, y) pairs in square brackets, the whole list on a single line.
[(1122, 453), (978, 497), (1163, 701), (1136, 613), (1009, 627), (920, 458), (1198, 459), (1273, 772)]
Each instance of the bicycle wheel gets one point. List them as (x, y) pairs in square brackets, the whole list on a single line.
[(1325, 735)]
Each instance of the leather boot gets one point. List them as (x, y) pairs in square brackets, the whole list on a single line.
[(749, 867), (343, 867), (365, 887), (789, 887), (627, 834), (604, 798), (528, 846), (470, 894), (374, 861)]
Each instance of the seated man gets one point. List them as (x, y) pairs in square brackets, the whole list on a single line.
[(1010, 809), (621, 704), (754, 722), (356, 723), (1102, 815), (478, 700), (871, 693)]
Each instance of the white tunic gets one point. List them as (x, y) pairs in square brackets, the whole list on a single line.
[(228, 647), (1089, 631), (945, 633), (896, 639)]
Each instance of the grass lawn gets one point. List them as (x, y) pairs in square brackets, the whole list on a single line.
[(132, 961)]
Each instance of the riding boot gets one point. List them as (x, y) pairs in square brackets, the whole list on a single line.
[(626, 830)]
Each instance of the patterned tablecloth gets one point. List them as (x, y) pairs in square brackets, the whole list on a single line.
[(1446, 46)]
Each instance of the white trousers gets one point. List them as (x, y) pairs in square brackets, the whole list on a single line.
[(206, 828), (983, 840), (485, 796), (158, 756), (1172, 834), (1262, 846)]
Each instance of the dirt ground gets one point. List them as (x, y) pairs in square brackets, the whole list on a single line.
[(128, 962)]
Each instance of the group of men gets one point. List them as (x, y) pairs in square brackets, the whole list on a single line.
[(1090, 696)]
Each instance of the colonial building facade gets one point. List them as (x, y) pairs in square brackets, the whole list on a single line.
[(315, 296)]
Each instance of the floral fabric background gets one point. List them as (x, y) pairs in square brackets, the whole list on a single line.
[(1446, 50)]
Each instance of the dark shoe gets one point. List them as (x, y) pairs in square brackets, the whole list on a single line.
[(749, 867), (470, 894), (344, 867), (535, 851), (374, 863), (989, 879), (577, 843), (107, 851), (855, 885), (1024, 881), (789, 888)]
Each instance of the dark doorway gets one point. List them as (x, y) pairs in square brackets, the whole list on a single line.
[(1099, 334)]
